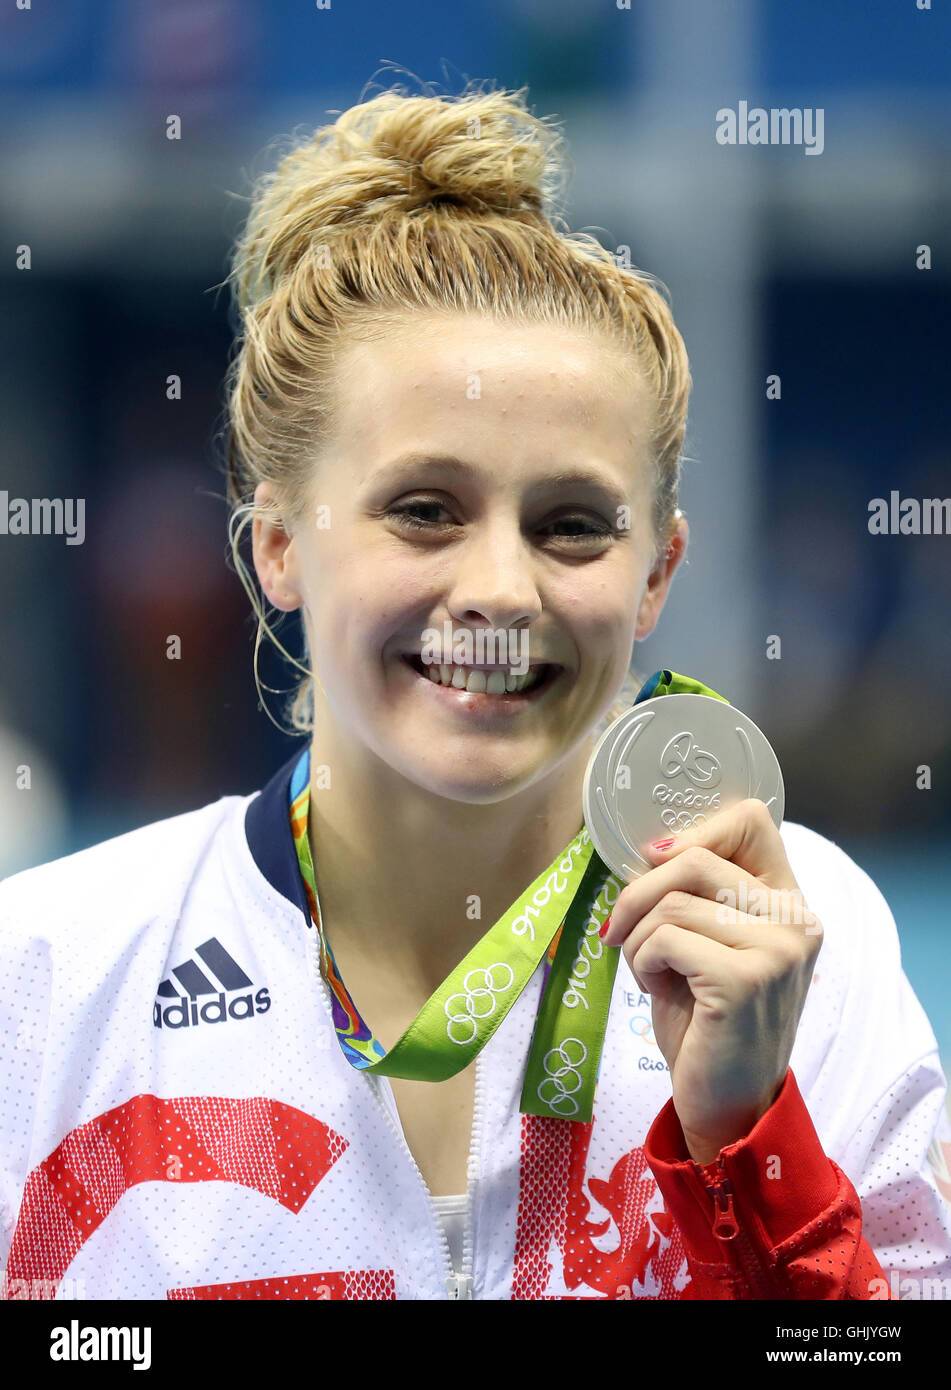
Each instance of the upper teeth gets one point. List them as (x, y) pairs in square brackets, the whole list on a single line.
[(480, 682)]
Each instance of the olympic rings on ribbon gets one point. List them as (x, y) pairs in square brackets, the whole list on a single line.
[(478, 1000), (563, 1102)]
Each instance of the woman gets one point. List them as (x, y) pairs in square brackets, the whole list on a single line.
[(450, 419)]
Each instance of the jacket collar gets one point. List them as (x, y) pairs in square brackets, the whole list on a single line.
[(267, 829)]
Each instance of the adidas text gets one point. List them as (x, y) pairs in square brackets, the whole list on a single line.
[(188, 1013)]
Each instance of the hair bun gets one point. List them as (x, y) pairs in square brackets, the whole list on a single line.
[(484, 151), (481, 152)]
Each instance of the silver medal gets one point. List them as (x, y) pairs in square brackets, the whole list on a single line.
[(670, 763)]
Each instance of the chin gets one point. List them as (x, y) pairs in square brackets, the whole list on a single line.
[(482, 780)]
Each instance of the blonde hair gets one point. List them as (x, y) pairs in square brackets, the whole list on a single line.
[(428, 203)]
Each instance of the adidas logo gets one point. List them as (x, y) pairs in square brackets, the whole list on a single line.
[(219, 974)]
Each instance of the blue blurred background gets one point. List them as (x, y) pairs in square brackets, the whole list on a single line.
[(778, 263)]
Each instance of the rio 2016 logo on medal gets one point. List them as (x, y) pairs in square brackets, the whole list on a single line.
[(670, 763)]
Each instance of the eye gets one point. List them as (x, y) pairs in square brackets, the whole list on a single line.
[(577, 529), (584, 528), (404, 511)]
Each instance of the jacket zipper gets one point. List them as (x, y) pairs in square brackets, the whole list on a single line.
[(472, 1175), (457, 1286), (727, 1229)]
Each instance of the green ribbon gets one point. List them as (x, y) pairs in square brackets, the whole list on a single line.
[(576, 892), (565, 1054)]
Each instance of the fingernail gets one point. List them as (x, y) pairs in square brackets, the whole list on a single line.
[(603, 932), (662, 844)]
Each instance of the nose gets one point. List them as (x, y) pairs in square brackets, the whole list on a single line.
[(494, 583)]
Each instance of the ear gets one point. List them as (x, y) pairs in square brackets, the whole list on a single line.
[(659, 580), (275, 556)]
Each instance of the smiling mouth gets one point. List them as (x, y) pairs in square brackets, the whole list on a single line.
[(474, 680)]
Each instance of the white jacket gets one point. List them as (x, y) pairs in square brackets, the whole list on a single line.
[(239, 1154)]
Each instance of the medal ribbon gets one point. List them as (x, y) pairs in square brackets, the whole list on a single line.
[(559, 916)]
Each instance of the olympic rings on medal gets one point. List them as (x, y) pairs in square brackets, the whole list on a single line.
[(562, 1092), (478, 1000)]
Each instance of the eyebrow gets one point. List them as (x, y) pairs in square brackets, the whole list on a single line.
[(449, 463)]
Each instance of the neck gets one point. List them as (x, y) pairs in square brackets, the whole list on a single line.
[(410, 880)]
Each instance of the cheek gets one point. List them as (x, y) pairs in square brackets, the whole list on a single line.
[(601, 620), (357, 605), (605, 610)]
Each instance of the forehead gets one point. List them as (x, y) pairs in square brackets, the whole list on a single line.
[(422, 371)]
